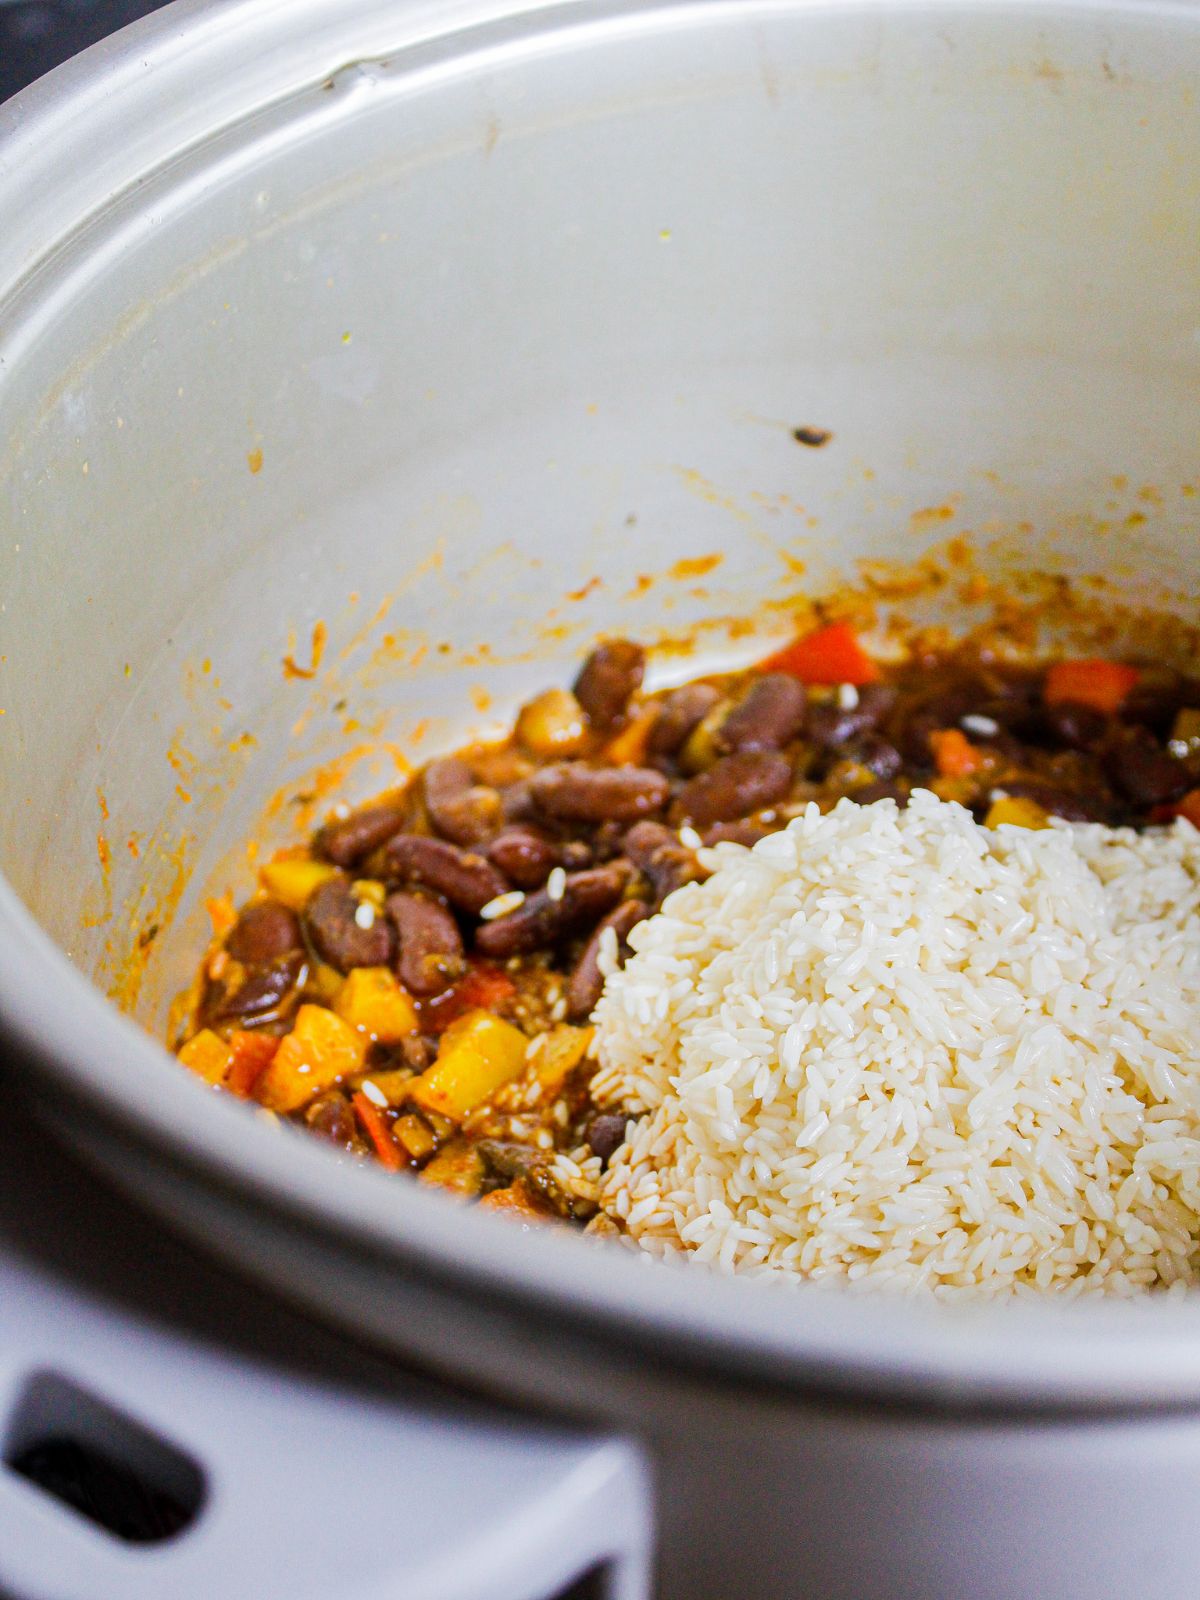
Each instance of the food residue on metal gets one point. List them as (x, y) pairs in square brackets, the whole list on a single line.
[(814, 438), (290, 667), (588, 588), (694, 567), (254, 460)]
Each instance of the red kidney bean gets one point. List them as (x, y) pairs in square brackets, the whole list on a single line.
[(1059, 802), (657, 853), (940, 710), (263, 932), (587, 981), (606, 1134), (733, 787), (570, 791), (610, 675), (680, 712), (830, 725), (870, 792), (770, 716), (332, 1117), (347, 840), (516, 802), (1078, 727), (461, 810), (1143, 772), (525, 856), (541, 921), (880, 757), (431, 948), (464, 878), (329, 922), (262, 995)]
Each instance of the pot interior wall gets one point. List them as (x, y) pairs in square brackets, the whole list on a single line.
[(444, 357)]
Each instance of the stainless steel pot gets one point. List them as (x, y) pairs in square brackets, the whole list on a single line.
[(446, 326)]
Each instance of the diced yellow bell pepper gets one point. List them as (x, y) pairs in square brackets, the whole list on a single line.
[(393, 1085), (552, 725), (1014, 811), (556, 1054), (415, 1134), (478, 1054), (517, 1203), (324, 982), (320, 1049), (207, 1055), (292, 880), (458, 1168), (372, 1001)]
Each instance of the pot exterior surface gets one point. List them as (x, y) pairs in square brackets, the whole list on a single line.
[(363, 362)]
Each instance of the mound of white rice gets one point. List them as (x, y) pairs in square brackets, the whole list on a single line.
[(895, 1046)]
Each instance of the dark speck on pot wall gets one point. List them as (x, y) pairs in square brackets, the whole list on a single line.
[(813, 437)]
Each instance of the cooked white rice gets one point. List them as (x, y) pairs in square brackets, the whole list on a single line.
[(898, 1048)]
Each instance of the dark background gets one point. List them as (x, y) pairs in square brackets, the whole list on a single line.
[(36, 35)]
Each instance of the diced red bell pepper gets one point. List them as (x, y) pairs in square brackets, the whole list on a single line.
[(377, 1130), (252, 1055), (830, 655), (1102, 685)]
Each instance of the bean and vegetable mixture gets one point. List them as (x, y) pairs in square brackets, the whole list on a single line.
[(415, 986)]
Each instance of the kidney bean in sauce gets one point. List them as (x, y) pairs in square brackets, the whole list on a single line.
[(264, 931), (348, 839), (342, 934), (463, 878), (571, 791), (734, 787), (770, 716), (430, 958), (490, 884), (611, 675)]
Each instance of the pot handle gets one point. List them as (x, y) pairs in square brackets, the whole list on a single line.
[(288, 1486)]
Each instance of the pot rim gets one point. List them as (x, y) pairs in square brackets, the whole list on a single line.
[(134, 98)]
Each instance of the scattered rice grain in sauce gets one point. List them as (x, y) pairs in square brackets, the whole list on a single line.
[(896, 1047)]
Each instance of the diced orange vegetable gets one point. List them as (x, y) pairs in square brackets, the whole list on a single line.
[(953, 753), (628, 748), (478, 1055), (459, 1168), (415, 1134), (1015, 811), (517, 1203), (830, 655), (320, 1050), (557, 1053), (207, 1055), (252, 1055), (293, 879), (1189, 807), (484, 987), (392, 1085), (222, 914), (1102, 685), (552, 725), (372, 1000), (376, 1129)]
